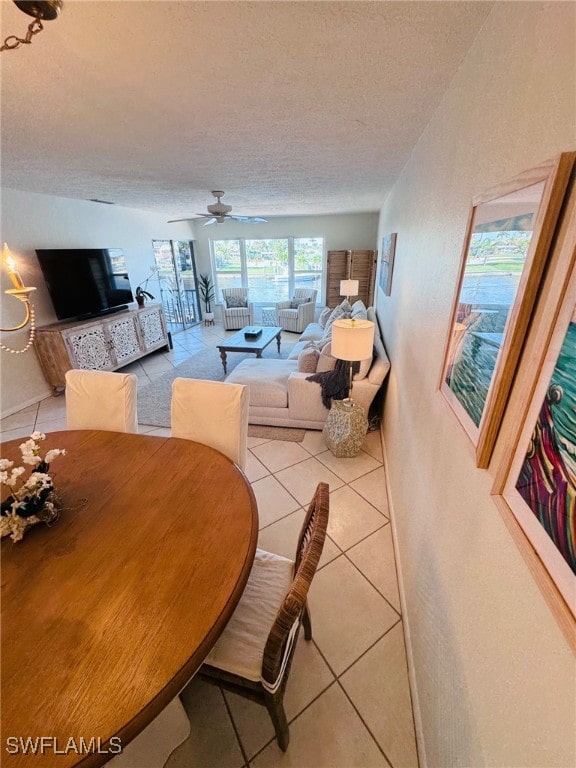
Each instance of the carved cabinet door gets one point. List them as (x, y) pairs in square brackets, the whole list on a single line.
[(123, 336), (90, 348)]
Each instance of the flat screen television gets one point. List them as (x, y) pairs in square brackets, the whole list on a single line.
[(85, 282)]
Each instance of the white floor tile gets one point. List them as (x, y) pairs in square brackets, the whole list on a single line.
[(273, 500), (51, 409), (254, 468), (352, 518), (160, 432), (348, 469), (212, 742), (349, 614), (279, 454), (378, 686), (373, 445), (375, 558), (314, 442), (56, 425), (15, 434), (329, 734), (22, 419), (308, 678), (302, 479), (373, 487), (282, 538)]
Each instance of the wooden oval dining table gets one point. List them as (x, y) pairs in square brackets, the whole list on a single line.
[(108, 613)]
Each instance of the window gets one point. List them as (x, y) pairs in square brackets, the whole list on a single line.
[(270, 267)]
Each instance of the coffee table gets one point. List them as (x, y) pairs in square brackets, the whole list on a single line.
[(239, 343)]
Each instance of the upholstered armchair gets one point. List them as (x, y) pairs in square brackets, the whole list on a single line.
[(237, 311), (295, 315)]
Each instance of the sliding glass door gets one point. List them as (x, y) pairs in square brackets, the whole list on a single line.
[(176, 273)]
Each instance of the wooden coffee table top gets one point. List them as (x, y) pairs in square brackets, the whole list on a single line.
[(238, 343), (109, 613)]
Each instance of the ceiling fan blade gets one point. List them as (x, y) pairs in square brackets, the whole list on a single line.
[(259, 219), (173, 221), (210, 221), (250, 219)]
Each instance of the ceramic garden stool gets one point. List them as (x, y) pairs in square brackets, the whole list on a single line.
[(268, 315), (345, 428)]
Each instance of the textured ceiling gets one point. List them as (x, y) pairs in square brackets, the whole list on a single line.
[(290, 107)]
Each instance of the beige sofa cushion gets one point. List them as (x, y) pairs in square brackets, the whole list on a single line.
[(267, 379)]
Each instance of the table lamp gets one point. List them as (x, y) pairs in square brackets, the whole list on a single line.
[(349, 288), (346, 424)]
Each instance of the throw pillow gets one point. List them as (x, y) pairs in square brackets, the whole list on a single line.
[(326, 362), (324, 315), (340, 312), (364, 368), (233, 302), (295, 303), (308, 359)]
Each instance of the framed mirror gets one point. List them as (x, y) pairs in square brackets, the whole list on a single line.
[(509, 233)]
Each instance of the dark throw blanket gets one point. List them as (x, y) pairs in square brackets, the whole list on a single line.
[(334, 383)]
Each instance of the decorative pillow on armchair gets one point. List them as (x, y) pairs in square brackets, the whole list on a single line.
[(295, 303), (234, 302)]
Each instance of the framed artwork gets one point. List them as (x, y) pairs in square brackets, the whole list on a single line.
[(508, 238), (539, 486), (387, 262)]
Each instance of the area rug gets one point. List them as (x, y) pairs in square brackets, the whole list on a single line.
[(154, 398)]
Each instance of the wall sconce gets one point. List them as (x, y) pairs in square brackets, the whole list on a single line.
[(21, 292), (39, 9)]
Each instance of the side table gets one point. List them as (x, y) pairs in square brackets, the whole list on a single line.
[(269, 316), (345, 428)]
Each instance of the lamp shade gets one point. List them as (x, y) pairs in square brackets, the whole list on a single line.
[(352, 339), (349, 287)]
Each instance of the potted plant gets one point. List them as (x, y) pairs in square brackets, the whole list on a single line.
[(142, 294), (206, 287)]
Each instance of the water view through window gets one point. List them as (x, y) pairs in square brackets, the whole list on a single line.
[(269, 267)]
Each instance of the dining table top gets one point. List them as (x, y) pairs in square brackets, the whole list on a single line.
[(109, 612)]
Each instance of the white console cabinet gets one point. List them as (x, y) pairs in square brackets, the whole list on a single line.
[(101, 344)]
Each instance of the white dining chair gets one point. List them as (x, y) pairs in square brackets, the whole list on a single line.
[(212, 412), (101, 400)]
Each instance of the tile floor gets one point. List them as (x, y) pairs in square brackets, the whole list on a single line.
[(348, 700)]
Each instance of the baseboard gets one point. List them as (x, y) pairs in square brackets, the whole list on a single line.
[(419, 731), (26, 404)]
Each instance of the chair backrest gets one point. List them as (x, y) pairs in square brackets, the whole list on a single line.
[(306, 293), (239, 293), (280, 642), (212, 412), (101, 400)]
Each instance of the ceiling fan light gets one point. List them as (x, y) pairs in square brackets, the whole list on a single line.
[(40, 9)]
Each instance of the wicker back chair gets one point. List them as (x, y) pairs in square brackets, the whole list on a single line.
[(237, 316), (256, 664)]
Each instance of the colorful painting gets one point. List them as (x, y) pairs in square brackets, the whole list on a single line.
[(496, 258), (504, 256), (387, 262), (547, 479)]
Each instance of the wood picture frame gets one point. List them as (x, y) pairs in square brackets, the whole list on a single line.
[(535, 483), (508, 238), (387, 262)]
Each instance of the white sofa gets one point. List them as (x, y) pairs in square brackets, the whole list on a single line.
[(281, 396)]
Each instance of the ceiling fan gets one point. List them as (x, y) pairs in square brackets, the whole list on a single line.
[(218, 213)]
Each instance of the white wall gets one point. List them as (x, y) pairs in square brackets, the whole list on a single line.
[(31, 221), (495, 679)]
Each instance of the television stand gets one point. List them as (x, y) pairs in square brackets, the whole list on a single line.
[(99, 344)]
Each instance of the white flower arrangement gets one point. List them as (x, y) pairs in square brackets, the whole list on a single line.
[(32, 499)]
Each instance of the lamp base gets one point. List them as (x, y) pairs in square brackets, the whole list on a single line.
[(345, 428)]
